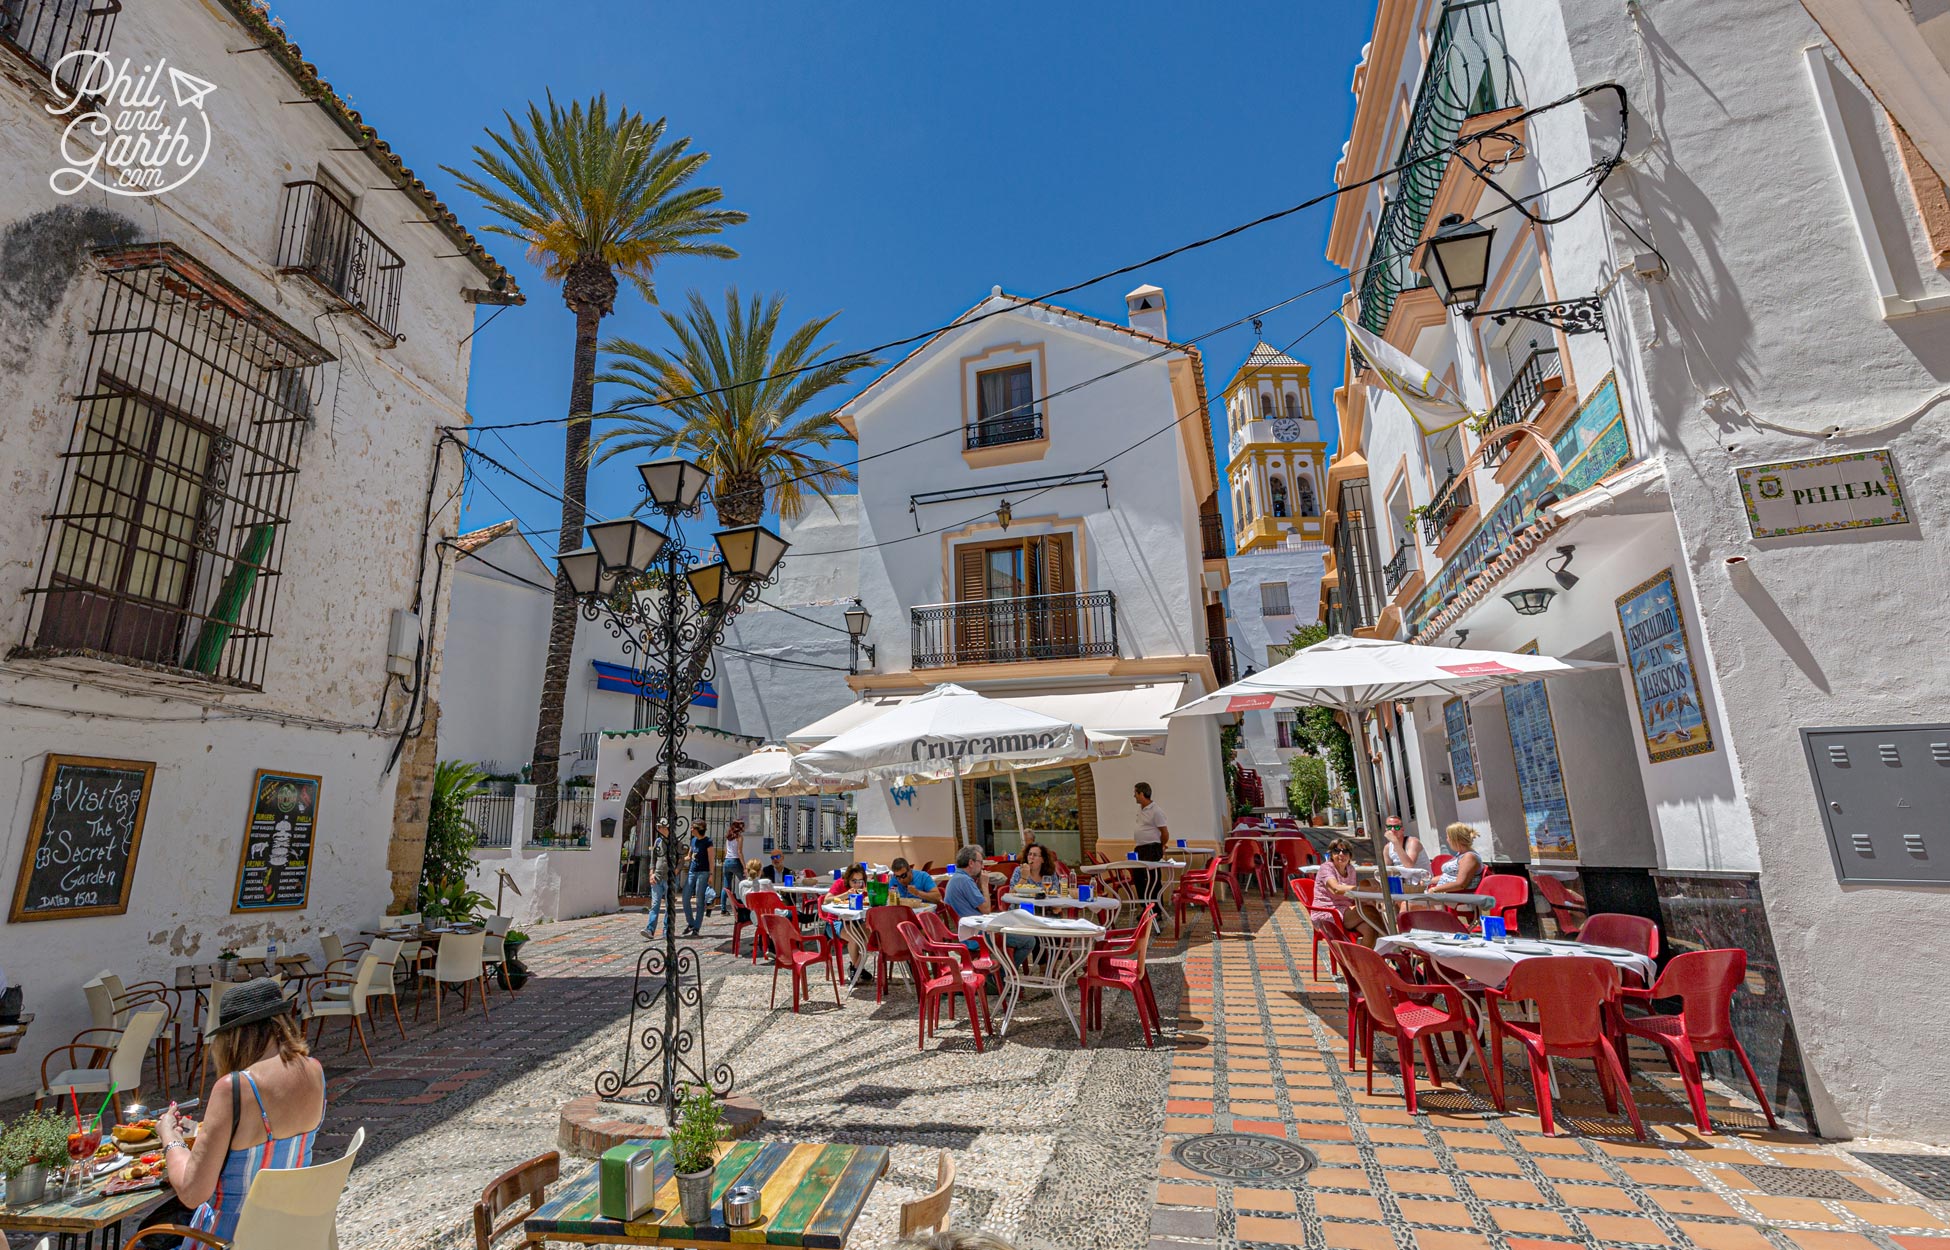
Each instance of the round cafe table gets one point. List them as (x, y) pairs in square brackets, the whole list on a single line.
[(1062, 948), (853, 928), (1106, 904)]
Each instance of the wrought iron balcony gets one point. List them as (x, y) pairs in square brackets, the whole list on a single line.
[(1449, 501), (1021, 427), (1225, 663), (1393, 572), (1468, 73), (1541, 377), (1212, 535), (44, 31), (323, 239), (1002, 631)]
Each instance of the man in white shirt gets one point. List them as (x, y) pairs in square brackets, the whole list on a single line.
[(1148, 840)]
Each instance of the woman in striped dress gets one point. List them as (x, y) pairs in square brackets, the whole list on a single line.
[(263, 1112)]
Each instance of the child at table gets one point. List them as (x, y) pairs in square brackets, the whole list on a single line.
[(853, 882)]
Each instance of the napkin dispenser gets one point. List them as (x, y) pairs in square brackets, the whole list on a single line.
[(628, 1180)]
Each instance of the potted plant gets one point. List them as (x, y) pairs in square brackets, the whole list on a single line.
[(31, 1145), (226, 964), (693, 1154), (511, 972)]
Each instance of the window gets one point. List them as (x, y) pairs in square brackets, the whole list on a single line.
[(1005, 407), (1265, 405), (1278, 494), (1304, 488), (1293, 406), (1015, 601), (1273, 600), (1285, 729)]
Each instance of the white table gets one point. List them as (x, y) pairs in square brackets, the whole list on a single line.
[(1101, 902), (1429, 902), (1410, 875), (1062, 948), (853, 925)]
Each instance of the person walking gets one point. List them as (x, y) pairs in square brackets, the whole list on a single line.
[(1148, 840), (697, 882), (734, 864)]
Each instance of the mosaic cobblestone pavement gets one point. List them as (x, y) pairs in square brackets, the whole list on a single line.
[(1061, 1147)]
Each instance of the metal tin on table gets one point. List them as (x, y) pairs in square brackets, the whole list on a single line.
[(741, 1206)]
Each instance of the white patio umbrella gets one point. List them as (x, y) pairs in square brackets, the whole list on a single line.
[(1355, 675), (951, 732), (764, 774)]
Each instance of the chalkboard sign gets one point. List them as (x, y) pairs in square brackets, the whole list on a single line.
[(274, 868), (81, 845)]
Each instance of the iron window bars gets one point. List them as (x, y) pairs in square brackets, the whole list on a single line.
[(1026, 627), (1447, 504), (44, 31), (1541, 376), (1356, 560), (323, 239), (165, 549)]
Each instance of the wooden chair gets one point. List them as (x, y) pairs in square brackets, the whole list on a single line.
[(122, 1072), (343, 995), (459, 963), (528, 1180), (928, 1214), (286, 1208)]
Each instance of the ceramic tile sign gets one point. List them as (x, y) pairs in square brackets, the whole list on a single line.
[(1540, 778), (1462, 753), (1670, 713), (1857, 490), (274, 868), (82, 839)]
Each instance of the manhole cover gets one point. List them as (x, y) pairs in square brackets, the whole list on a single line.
[(1786, 1182), (1928, 1175), (388, 1091), (1244, 1157)]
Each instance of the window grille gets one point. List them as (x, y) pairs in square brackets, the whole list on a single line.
[(1273, 599), (165, 548)]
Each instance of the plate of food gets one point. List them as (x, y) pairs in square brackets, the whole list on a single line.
[(146, 1172)]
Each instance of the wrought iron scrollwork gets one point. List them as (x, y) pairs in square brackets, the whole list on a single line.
[(1572, 316), (654, 1054)]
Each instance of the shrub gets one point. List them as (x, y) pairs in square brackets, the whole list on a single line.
[(694, 1141)]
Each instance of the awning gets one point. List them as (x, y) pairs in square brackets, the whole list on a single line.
[(619, 679), (1638, 489), (1135, 712)]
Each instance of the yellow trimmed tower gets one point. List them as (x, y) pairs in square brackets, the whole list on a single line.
[(1278, 462)]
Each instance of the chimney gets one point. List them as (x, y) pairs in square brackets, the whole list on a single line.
[(1147, 305)]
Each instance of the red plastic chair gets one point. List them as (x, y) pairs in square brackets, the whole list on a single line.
[(1622, 930), (1511, 892), (795, 952), (760, 903), (1295, 853), (1576, 1000), (1436, 864), (1330, 930), (936, 930), (1404, 1012), (884, 924), (1201, 889), (1703, 982), (1567, 909), (1119, 962), (1303, 891), (943, 976), (1430, 920), (1245, 861)]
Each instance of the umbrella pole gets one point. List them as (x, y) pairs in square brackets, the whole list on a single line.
[(1015, 796), (1366, 784), (961, 832)]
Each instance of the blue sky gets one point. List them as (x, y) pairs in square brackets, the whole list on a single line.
[(897, 161)]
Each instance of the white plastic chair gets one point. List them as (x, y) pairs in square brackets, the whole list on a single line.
[(493, 952), (387, 951), (284, 1209), (122, 1072), (343, 995), (459, 963)]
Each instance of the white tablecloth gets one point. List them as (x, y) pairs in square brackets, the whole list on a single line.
[(846, 911), (1369, 870), (1101, 902), (801, 890), (1491, 962), (1027, 923), (1132, 865)]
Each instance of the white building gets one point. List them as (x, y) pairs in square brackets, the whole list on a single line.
[(1771, 287), (1044, 552), (226, 480)]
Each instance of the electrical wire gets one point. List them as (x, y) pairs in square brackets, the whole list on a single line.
[(807, 619), (775, 659)]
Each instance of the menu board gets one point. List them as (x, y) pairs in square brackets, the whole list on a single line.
[(82, 840), (1671, 717), (1540, 780), (274, 870), (1462, 752)]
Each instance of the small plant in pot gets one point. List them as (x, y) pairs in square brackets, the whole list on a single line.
[(512, 972), (31, 1145), (694, 1153)]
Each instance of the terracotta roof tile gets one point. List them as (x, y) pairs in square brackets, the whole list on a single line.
[(474, 540)]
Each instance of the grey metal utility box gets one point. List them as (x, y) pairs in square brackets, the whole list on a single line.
[(1884, 792)]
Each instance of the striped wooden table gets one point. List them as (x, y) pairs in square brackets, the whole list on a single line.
[(810, 1196)]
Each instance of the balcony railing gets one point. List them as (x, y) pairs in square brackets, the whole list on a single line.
[(1449, 501), (323, 239), (1023, 427), (44, 31), (1212, 535), (1468, 73), (1393, 572), (1225, 663), (587, 746), (1029, 627), (1541, 377)]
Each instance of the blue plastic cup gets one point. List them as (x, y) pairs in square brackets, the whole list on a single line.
[(1084, 892), (788, 879), (1395, 885), (1181, 844), (1131, 855), (859, 902), (836, 874), (1028, 907), (949, 871), (1493, 928)]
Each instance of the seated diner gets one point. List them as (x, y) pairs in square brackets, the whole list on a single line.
[(1459, 875)]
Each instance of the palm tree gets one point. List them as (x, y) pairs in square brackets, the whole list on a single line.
[(593, 195), (728, 399)]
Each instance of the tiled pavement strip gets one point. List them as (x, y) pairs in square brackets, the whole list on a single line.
[(1070, 1148)]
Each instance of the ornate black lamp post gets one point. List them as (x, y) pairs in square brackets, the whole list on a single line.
[(632, 578)]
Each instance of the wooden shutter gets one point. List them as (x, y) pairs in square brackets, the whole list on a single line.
[(1058, 619), (971, 633)]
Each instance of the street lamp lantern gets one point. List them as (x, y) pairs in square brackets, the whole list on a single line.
[(750, 551), (707, 583), (1457, 260), (584, 569), (626, 546), (857, 619), (674, 484)]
